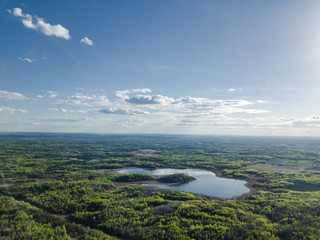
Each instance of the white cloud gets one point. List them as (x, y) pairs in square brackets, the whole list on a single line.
[(58, 109), (11, 95), (186, 104), (159, 113), (308, 122), (28, 60), (78, 111), (125, 93), (87, 41), (230, 90), (86, 100), (287, 119), (52, 94), (12, 110), (312, 120), (40, 25), (63, 119), (6, 109), (48, 93), (121, 111), (212, 106), (23, 110), (17, 12), (148, 99)]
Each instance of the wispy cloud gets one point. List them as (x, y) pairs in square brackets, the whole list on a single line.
[(6, 109), (12, 110), (309, 121), (62, 119), (87, 41), (231, 90), (28, 60), (86, 100), (23, 110), (48, 93), (121, 111), (58, 109), (11, 95), (39, 24), (52, 94)]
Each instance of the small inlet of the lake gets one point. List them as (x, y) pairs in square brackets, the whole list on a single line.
[(206, 183)]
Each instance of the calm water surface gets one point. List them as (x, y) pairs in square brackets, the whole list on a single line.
[(206, 182)]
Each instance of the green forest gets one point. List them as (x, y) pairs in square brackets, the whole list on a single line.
[(65, 186)]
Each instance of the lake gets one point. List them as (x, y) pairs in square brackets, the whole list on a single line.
[(206, 183)]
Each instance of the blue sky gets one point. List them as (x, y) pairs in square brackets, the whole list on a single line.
[(188, 67)]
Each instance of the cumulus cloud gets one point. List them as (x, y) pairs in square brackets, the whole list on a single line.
[(87, 41), (148, 99), (138, 102), (11, 95), (28, 60), (230, 90), (121, 111), (17, 12), (39, 24), (186, 104), (124, 94), (161, 111), (86, 100)]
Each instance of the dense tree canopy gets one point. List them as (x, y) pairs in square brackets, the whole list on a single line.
[(65, 187)]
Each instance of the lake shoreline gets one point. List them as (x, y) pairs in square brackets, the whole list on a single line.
[(217, 173)]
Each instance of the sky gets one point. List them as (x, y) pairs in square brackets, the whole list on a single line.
[(216, 67)]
